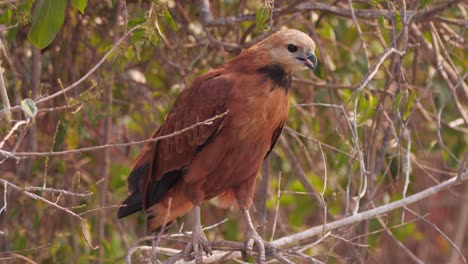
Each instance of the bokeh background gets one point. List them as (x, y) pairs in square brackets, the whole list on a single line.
[(384, 116)]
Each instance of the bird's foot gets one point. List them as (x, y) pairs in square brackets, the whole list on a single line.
[(195, 248), (263, 248)]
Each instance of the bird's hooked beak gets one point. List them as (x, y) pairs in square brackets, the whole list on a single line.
[(310, 61)]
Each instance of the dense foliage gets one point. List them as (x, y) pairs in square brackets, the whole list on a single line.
[(384, 116)]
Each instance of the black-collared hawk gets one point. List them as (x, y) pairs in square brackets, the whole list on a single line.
[(221, 159)]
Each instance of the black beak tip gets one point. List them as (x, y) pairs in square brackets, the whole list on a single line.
[(312, 58)]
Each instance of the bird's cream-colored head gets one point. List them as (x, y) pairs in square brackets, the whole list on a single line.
[(291, 49)]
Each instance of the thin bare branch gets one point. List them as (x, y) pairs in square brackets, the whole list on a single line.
[(82, 79), (96, 148), (42, 199)]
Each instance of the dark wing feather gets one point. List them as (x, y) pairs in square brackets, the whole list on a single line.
[(133, 204), (274, 138), (158, 188), (135, 181)]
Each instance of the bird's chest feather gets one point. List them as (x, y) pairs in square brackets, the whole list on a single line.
[(259, 111), (247, 137)]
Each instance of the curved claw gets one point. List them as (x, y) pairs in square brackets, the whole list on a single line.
[(260, 244), (195, 248), (253, 238)]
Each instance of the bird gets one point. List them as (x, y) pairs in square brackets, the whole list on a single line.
[(219, 159)]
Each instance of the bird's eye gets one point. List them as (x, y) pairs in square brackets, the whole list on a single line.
[(292, 48)]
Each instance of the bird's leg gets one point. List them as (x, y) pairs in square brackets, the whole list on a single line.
[(199, 243), (254, 238)]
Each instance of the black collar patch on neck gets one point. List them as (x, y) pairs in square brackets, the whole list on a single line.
[(276, 73)]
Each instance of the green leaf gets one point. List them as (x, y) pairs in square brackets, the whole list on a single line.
[(375, 3), (60, 136), (367, 105), (398, 21), (341, 159), (425, 3), (80, 5), (410, 104), (136, 21), (381, 21), (137, 35), (11, 35), (5, 18), (261, 17), (397, 101), (47, 20), (170, 20), (29, 107), (86, 231)]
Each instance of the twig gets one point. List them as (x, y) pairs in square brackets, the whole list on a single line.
[(96, 148), (40, 198), (3, 91), (82, 79), (278, 198), (13, 129), (363, 43), (295, 164), (365, 215), (460, 230), (5, 2), (343, 12), (105, 157), (5, 202), (64, 192), (101, 208), (18, 256), (286, 241), (371, 74), (441, 233), (407, 164), (398, 242)]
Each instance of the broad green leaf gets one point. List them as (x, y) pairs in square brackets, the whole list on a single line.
[(80, 5), (47, 20), (29, 107)]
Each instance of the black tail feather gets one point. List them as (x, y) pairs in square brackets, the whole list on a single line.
[(134, 203)]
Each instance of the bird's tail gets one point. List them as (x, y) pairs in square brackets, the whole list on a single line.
[(167, 210), (132, 204)]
